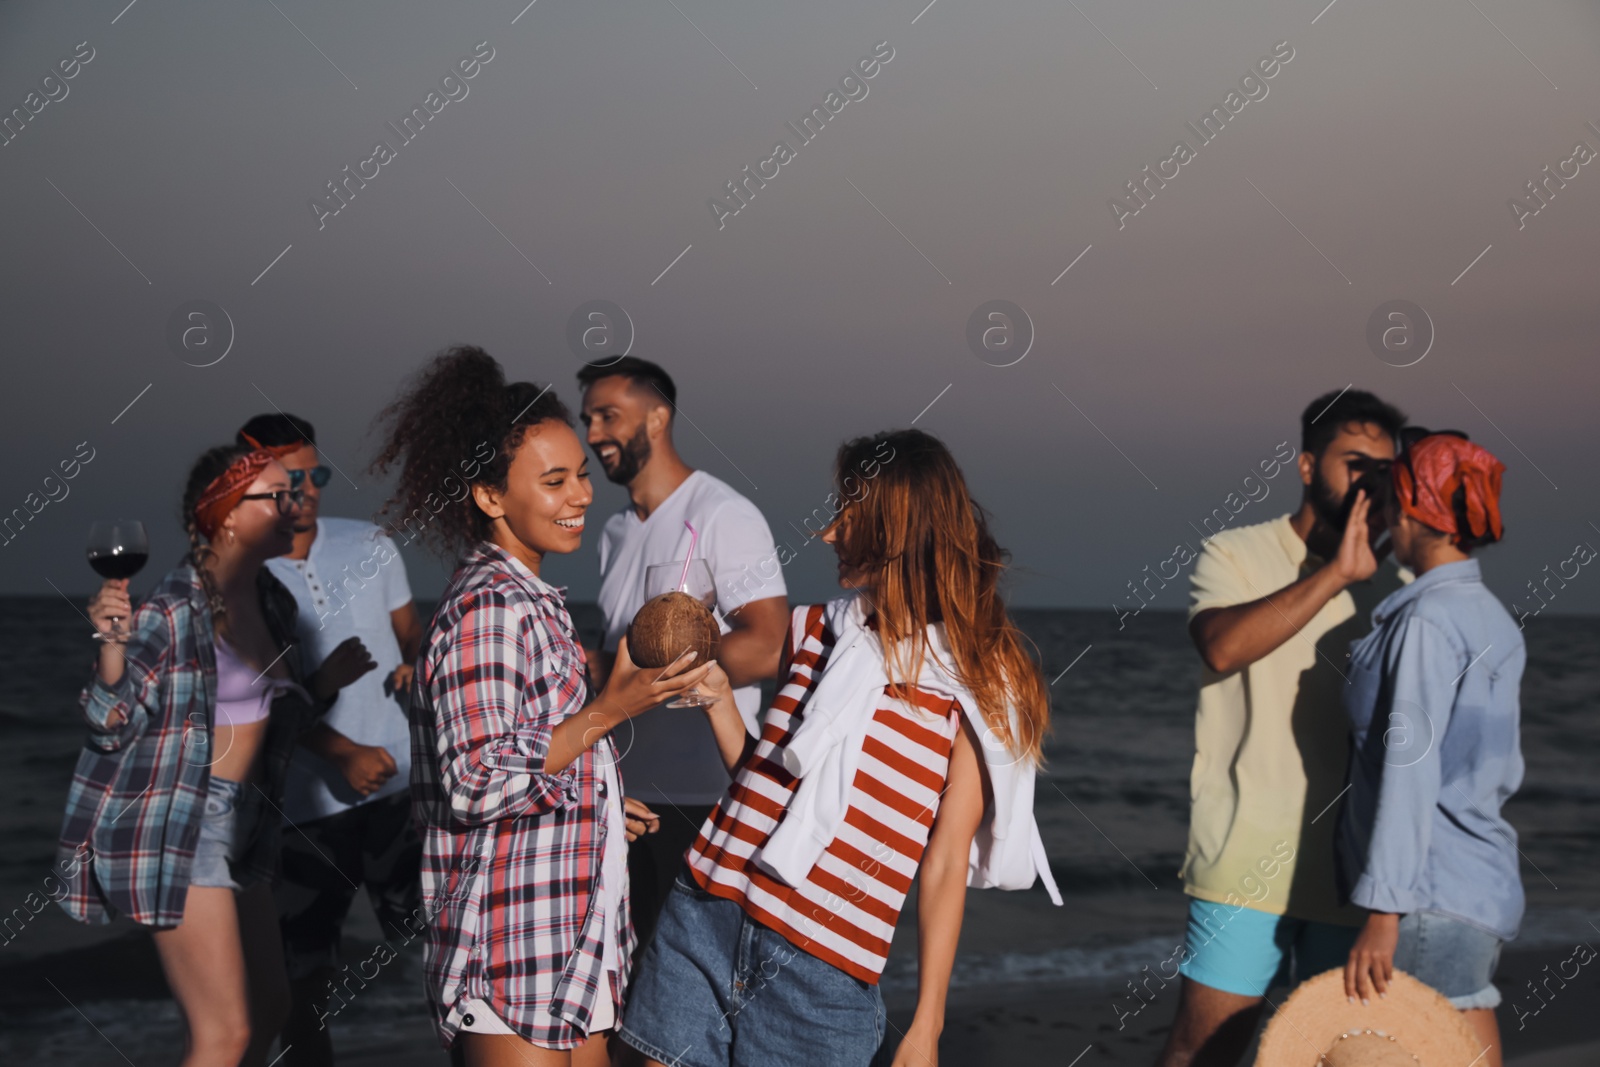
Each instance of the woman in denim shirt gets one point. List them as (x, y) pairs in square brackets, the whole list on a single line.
[(1433, 699)]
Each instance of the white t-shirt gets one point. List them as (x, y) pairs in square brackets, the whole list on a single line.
[(347, 586), (669, 755), (613, 881)]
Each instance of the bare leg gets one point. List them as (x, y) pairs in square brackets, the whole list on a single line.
[(266, 979), (625, 1055), (507, 1050), (1212, 1029), (204, 964), (1488, 1033), (595, 1052)]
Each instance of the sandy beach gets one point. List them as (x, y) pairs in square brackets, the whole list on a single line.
[(993, 1024)]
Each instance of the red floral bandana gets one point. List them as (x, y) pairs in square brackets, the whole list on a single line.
[(227, 488), (1429, 474)]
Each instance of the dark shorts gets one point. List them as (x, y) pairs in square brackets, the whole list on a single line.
[(715, 988), (654, 860), (324, 861)]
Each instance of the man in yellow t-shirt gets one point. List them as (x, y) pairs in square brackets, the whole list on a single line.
[(1273, 609)]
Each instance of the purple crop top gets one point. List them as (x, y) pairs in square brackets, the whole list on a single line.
[(244, 695)]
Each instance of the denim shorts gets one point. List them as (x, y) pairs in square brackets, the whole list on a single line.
[(235, 836), (1454, 957), (1244, 951), (715, 988)]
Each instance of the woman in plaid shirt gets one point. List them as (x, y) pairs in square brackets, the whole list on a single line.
[(514, 777), (174, 799)]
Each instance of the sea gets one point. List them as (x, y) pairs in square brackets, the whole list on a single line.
[(1112, 803)]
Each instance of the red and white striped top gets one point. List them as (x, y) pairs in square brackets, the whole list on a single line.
[(845, 910)]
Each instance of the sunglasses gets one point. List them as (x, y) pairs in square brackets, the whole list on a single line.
[(287, 500), (319, 476), (1368, 465)]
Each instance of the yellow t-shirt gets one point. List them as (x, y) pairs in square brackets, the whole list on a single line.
[(1272, 739)]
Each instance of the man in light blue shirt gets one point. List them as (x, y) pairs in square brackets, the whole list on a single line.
[(1434, 705), (347, 796)]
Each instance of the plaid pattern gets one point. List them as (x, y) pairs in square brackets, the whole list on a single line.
[(511, 855), (139, 789)]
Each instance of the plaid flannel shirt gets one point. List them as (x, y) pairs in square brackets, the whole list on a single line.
[(139, 788), (511, 854)]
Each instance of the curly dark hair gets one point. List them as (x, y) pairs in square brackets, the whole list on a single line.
[(455, 424), (206, 470)]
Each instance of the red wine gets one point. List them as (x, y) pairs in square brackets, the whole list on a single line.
[(118, 564)]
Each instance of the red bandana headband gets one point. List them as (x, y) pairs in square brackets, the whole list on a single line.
[(1428, 475), (228, 488)]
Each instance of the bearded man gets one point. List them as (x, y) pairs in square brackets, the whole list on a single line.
[(670, 762), (1273, 610)]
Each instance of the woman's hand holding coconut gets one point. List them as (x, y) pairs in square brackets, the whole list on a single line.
[(632, 689), (674, 623)]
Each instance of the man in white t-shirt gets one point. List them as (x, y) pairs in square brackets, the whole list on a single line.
[(347, 792), (1273, 609), (670, 758)]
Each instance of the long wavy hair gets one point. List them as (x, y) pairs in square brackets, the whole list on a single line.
[(457, 423), (910, 523), (206, 469)]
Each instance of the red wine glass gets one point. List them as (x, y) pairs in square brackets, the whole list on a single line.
[(118, 549)]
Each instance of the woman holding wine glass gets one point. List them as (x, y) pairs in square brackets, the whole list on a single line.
[(118, 549), (196, 702)]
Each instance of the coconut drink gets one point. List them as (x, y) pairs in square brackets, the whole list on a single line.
[(677, 618), (670, 625)]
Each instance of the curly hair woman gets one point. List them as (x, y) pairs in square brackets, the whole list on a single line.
[(514, 777), (901, 746), (193, 712)]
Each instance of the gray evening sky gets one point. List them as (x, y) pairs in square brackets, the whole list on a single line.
[(1173, 355)]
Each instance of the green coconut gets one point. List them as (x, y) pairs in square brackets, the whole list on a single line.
[(670, 625)]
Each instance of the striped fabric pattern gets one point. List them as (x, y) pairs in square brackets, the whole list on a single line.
[(845, 911), (511, 854)]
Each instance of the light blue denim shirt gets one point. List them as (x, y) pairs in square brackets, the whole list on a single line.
[(1433, 702)]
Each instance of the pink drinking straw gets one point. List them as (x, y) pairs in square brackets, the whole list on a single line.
[(683, 579)]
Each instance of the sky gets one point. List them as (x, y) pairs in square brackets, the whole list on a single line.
[(1152, 359)]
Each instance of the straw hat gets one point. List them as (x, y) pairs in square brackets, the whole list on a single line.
[(1411, 1027)]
